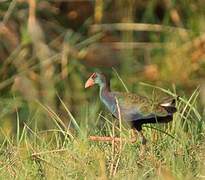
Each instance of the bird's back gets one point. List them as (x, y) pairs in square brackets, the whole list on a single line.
[(134, 107)]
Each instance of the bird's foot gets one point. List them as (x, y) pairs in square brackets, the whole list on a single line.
[(133, 139), (140, 135)]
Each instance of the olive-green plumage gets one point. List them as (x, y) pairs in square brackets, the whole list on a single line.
[(140, 103)]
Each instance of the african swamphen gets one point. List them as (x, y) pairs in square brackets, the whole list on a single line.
[(138, 110)]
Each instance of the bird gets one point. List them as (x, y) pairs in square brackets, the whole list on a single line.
[(133, 108)]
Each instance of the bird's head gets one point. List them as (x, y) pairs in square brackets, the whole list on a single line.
[(95, 78)]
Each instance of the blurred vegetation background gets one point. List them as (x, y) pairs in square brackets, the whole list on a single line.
[(49, 48)]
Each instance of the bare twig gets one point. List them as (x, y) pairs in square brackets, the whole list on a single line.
[(136, 27), (134, 45), (113, 149), (120, 127), (98, 11), (48, 152), (110, 139), (118, 76), (9, 11), (64, 61)]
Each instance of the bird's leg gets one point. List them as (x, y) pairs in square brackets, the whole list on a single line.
[(143, 139), (143, 148), (140, 134), (133, 135)]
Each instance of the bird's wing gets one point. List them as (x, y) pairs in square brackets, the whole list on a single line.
[(138, 106)]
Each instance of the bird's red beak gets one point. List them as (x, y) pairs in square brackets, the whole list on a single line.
[(89, 83)]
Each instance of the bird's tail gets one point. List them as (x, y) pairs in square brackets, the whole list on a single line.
[(170, 105)]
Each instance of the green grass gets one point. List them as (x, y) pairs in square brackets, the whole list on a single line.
[(43, 139), (174, 151)]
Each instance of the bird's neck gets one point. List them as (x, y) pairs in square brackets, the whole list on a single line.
[(104, 90), (107, 97)]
